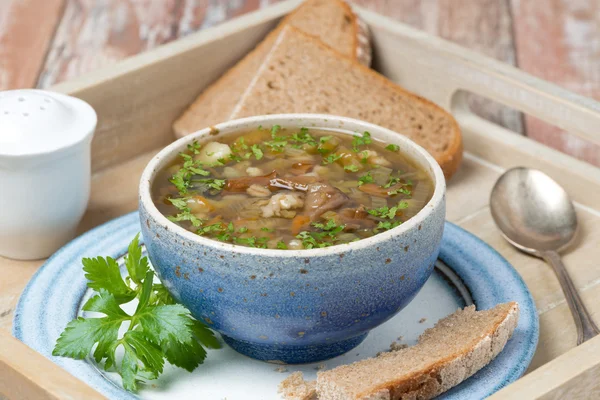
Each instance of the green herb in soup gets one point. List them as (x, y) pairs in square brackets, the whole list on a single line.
[(291, 189)]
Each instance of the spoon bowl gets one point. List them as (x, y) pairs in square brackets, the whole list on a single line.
[(533, 212), (536, 215)]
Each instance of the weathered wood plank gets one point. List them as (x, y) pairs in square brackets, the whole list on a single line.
[(560, 42), (26, 29), (481, 25), (25, 374), (94, 34)]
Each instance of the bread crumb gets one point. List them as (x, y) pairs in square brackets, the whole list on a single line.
[(422, 320), (294, 387), (395, 346), (281, 369), (320, 367), (400, 338)]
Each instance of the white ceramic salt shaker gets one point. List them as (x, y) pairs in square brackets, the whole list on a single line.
[(45, 142)]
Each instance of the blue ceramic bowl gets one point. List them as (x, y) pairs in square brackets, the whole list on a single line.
[(295, 306)]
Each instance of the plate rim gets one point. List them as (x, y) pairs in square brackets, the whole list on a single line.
[(456, 244)]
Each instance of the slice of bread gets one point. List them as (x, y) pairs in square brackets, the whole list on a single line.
[(331, 20), (294, 387), (302, 75), (447, 354)]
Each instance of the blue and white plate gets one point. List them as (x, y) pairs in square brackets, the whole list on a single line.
[(468, 272)]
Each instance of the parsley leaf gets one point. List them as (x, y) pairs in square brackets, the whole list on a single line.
[(392, 147), (104, 273), (325, 238), (351, 168), (304, 137), (367, 178), (137, 267), (258, 153), (363, 140), (217, 184), (194, 147), (387, 212), (157, 330), (391, 182), (186, 215), (276, 146), (274, 130), (281, 245), (330, 159), (401, 189)]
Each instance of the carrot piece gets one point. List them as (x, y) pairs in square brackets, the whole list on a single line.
[(374, 190), (299, 222)]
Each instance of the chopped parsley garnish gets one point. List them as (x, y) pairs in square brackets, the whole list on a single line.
[(194, 147), (181, 179), (392, 181), (387, 212), (331, 228), (217, 228), (351, 168), (325, 238), (364, 156), (330, 159), (274, 130), (216, 184), (185, 212), (180, 203), (265, 229), (401, 189), (358, 141), (367, 178), (387, 225), (276, 146), (252, 241), (281, 245), (392, 147), (226, 233), (304, 137), (158, 330), (258, 153)]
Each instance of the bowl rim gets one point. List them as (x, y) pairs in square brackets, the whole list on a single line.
[(313, 121)]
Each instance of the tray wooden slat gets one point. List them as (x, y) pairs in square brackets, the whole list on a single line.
[(138, 99)]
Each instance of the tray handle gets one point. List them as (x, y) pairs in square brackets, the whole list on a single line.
[(25, 374)]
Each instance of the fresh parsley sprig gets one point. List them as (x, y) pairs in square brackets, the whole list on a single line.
[(158, 330)]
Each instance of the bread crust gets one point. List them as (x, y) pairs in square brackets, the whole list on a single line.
[(444, 374), (187, 124), (449, 160)]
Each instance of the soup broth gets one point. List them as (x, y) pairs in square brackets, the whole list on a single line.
[(291, 188)]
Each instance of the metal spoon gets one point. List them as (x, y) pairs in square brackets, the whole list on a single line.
[(536, 216)]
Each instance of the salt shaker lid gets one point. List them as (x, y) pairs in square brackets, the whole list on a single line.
[(37, 122)]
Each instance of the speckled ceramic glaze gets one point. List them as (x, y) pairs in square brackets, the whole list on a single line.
[(295, 306)]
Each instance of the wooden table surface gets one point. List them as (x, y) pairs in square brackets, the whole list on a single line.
[(43, 42)]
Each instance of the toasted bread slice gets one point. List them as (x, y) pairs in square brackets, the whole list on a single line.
[(331, 20), (447, 354), (303, 75), (294, 387)]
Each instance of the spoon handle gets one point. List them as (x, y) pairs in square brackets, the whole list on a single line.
[(586, 329)]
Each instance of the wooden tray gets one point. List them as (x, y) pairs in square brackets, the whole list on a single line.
[(138, 99)]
